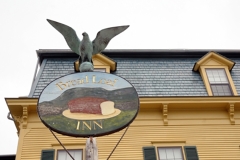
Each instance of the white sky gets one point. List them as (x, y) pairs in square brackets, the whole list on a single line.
[(154, 24)]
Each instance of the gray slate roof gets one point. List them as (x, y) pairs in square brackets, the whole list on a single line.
[(161, 76), (150, 76), (235, 73)]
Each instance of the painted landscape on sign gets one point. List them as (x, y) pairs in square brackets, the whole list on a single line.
[(84, 111)]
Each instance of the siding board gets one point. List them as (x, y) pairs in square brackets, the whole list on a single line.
[(214, 142)]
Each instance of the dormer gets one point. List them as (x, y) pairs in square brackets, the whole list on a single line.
[(215, 71), (101, 63)]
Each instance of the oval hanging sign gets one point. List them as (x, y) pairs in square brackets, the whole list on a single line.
[(88, 104)]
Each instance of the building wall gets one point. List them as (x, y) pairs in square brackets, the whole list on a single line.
[(207, 128)]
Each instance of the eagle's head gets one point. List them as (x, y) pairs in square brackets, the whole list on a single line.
[(84, 34)]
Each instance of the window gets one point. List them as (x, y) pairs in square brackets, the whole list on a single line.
[(219, 82), (215, 72), (99, 69), (101, 63), (170, 153), (75, 153)]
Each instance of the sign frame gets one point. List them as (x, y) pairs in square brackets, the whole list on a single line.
[(90, 86)]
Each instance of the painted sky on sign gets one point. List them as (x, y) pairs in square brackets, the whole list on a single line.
[(53, 90)]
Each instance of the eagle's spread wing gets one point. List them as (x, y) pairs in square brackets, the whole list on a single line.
[(69, 34), (104, 36)]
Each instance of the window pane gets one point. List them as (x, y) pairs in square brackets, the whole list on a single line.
[(99, 70), (72, 154), (209, 72), (221, 72), (211, 79), (223, 79), (162, 153), (78, 155), (221, 90), (63, 155), (216, 75), (170, 153), (219, 82), (177, 153), (217, 79)]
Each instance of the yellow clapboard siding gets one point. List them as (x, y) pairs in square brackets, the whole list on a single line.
[(207, 138), (210, 129)]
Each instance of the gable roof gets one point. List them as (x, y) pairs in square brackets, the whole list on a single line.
[(215, 58)]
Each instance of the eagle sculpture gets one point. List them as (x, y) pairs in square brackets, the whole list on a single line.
[(86, 48)]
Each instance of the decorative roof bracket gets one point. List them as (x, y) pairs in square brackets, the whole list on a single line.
[(165, 113), (231, 113), (22, 119), (25, 116)]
